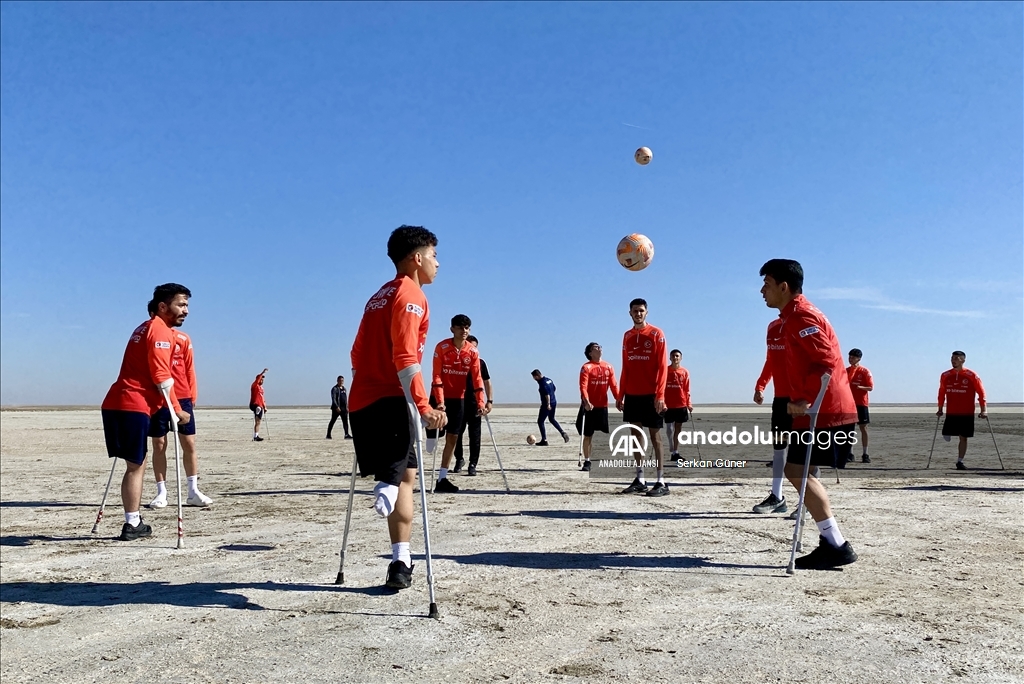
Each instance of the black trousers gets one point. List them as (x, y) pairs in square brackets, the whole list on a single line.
[(472, 424), (335, 414)]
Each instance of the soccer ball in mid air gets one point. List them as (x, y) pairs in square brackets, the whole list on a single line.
[(530, 439), (635, 252), (643, 156)]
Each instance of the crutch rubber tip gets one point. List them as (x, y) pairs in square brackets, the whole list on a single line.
[(340, 579), (93, 529), (181, 544), (799, 547), (789, 570), (433, 612)]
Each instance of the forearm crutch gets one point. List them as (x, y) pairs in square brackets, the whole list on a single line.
[(799, 528), (497, 455)]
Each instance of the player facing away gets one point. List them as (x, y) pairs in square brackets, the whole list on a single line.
[(642, 390), (860, 384), (677, 399), (473, 420), (596, 377), (957, 388), (183, 371), (257, 405), (812, 349), (137, 394), (456, 367), (386, 357), (548, 404), (774, 371), (339, 407)]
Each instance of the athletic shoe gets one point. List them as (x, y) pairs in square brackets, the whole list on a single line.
[(459, 463), (960, 465), (131, 533), (865, 459), (565, 437), (399, 576), (472, 470), (792, 516), (676, 456), (637, 486), (772, 504), (329, 437), (827, 556), (199, 500), (348, 436), (257, 439), (586, 467), (542, 442), (158, 502), (659, 489), (445, 486)]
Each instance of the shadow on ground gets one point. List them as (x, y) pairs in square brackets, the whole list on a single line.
[(616, 515), (545, 560)]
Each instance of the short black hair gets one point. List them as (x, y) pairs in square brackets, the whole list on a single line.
[(785, 271), (472, 338), (638, 302), (856, 352), (536, 372), (959, 353), (405, 240), (165, 294), (590, 348), (341, 377), (151, 307), (675, 351), (460, 320)]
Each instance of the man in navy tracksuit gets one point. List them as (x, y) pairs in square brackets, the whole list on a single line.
[(547, 407)]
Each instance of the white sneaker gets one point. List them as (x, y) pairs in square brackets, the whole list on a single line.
[(198, 500), (158, 502)]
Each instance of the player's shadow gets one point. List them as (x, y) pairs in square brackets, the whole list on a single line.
[(563, 514), (554, 560), (296, 492), (29, 539), (957, 488), (43, 504)]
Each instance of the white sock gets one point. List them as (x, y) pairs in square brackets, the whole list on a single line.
[(161, 489), (959, 459), (431, 444), (386, 496), (442, 473), (132, 519), (661, 475), (193, 484), (400, 552), (255, 435), (829, 529), (778, 471), (640, 475)]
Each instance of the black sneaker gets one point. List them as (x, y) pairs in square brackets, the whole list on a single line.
[(772, 504), (960, 465), (257, 438), (676, 456), (328, 437), (399, 576), (865, 459), (659, 489), (850, 458), (542, 442), (637, 487), (586, 467), (348, 436), (459, 463), (472, 470), (445, 486), (130, 533), (827, 556), (565, 436)]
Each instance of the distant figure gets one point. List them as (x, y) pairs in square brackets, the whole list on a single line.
[(339, 407), (677, 400), (257, 405), (473, 422), (860, 384), (548, 404), (596, 378), (957, 388)]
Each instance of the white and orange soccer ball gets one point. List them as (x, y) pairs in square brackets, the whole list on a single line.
[(530, 439), (635, 252), (643, 156)]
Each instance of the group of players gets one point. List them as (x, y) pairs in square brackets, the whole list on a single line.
[(387, 383)]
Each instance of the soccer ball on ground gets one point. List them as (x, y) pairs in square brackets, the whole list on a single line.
[(635, 252), (643, 156), (530, 439)]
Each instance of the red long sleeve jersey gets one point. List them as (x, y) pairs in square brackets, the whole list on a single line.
[(183, 369), (812, 349), (677, 388), (859, 376), (644, 365), (775, 361), (595, 381), (146, 364), (452, 367), (957, 389), (391, 338)]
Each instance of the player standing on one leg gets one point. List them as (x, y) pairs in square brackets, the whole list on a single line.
[(596, 378), (775, 371), (339, 407), (456, 367), (473, 420), (860, 384), (257, 405), (183, 371), (386, 357), (548, 404), (812, 349), (642, 386), (957, 389), (677, 399), (137, 395)]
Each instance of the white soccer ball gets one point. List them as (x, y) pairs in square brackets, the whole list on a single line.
[(635, 252), (530, 439), (643, 156)]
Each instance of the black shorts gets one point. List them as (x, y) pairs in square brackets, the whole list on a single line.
[(594, 420), (958, 425), (455, 410), (125, 434), (639, 408), (677, 415), (257, 410), (382, 439), (863, 417), (781, 420), (160, 423), (831, 447)]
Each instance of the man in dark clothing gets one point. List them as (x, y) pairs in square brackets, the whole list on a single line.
[(473, 421), (339, 407), (547, 407)]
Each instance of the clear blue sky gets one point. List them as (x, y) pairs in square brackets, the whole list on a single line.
[(261, 154)]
